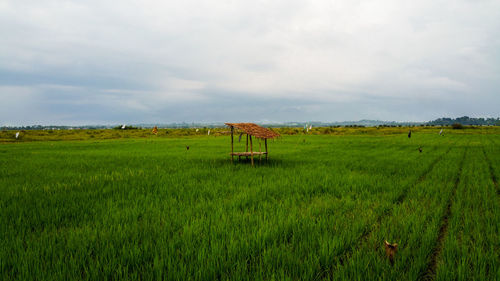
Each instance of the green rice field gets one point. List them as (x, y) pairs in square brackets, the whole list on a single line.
[(147, 208)]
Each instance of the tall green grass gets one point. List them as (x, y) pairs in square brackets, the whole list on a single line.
[(150, 209), (472, 247)]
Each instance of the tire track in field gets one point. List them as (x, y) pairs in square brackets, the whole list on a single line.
[(492, 172), (430, 272), (404, 193), (402, 196), (398, 200), (490, 165)]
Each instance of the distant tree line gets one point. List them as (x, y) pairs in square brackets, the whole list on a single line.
[(465, 120)]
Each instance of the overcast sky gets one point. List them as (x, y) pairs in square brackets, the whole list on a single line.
[(106, 62)]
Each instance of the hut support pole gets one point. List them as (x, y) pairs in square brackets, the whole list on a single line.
[(265, 144), (251, 150), (260, 150), (232, 143), (247, 146)]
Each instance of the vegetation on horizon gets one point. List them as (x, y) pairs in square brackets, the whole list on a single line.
[(465, 120), (132, 132)]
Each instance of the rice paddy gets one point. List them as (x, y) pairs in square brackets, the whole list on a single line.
[(146, 208)]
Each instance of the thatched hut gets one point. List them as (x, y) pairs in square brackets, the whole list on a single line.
[(251, 130)]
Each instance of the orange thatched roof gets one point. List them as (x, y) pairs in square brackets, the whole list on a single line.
[(254, 130)]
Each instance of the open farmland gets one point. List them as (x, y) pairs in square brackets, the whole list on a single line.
[(320, 209)]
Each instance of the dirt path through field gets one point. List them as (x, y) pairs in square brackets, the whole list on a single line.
[(430, 273)]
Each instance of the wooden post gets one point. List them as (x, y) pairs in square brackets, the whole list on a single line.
[(260, 150), (247, 147), (232, 145), (265, 143), (251, 150)]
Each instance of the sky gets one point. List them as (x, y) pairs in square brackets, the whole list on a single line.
[(112, 62)]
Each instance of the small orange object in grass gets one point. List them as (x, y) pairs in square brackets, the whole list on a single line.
[(390, 251)]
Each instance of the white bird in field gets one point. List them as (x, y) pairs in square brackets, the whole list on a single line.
[(208, 134), (17, 135), (123, 127), (310, 127), (440, 132)]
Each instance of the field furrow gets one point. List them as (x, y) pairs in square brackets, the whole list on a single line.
[(491, 148), (492, 172), (414, 225), (443, 230), (471, 248), (398, 199)]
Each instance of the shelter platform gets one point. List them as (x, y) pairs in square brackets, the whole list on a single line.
[(255, 130), (247, 153)]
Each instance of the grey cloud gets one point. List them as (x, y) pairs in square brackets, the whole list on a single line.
[(150, 61)]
